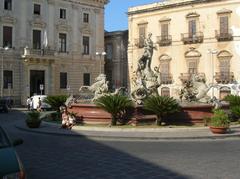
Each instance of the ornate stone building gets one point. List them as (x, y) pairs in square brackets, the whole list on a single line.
[(52, 46), (191, 37), (116, 63)]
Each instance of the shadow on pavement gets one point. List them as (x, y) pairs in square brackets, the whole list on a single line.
[(61, 157)]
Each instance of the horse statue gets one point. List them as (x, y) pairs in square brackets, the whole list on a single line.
[(196, 89), (99, 87)]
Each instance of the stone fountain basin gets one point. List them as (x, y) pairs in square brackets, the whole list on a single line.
[(189, 113)]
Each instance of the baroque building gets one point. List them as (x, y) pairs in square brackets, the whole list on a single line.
[(51, 46), (191, 37), (116, 63)]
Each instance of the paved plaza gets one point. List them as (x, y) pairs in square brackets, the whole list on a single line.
[(68, 156)]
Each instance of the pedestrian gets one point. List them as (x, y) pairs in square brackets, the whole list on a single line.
[(39, 104), (28, 103)]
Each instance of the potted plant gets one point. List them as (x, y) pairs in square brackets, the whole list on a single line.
[(219, 122), (33, 119)]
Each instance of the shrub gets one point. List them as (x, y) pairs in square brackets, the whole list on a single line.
[(161, 106), (233, 100), (219, 119), (116, 105), (235, 111), (56, 101)]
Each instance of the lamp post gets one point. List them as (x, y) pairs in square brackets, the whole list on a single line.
[(212, 52), (100, 54), (2, 49)]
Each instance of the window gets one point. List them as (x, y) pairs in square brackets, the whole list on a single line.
[(8, 5), (224, 65), (109, 51), (85, 45), (142, 35), (7, 36), (62, 42), (85, 17), (36, 39), (165, 92), (164, 69), (63, 80), (86, 79), (7, 79), (164, 31), (192, 67), (62, 13), (192, 28), (223, 25), (37, 9)]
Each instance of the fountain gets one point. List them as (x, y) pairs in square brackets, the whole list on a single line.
[(194, 101)]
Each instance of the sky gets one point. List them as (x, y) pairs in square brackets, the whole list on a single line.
[(116, 13)]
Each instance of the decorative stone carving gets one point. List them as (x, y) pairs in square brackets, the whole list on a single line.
[(145, 80), (195, 90)]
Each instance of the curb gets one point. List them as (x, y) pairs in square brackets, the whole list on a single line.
[(142, 138)]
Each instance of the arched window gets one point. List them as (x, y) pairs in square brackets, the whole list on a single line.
[(224, 91), (165, 91)]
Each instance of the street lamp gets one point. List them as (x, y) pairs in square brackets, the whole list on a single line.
[(2, 49), (100, 54), (212, 52)]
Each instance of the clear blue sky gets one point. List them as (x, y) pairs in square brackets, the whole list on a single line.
[(115, 13)]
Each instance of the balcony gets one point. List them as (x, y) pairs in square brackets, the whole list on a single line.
[(166, 78), (139, 43), (164, 40), (224, 36), (188, 38), (224, 77), (187, 76)]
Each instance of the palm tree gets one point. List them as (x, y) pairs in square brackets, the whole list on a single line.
[(116, 105), (161, 106)]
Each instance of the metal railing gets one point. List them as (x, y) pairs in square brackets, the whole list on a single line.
[(224, 77), (164, 40), (189, 38), (224, 36), (166, 78), (187, 76)]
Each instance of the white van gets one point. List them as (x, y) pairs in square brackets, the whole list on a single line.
[(35, 102)]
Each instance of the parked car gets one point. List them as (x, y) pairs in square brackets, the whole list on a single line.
[(4, 106), (35, 100), (10, 165)]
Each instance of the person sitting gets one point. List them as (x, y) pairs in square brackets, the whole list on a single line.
[(65, 119)]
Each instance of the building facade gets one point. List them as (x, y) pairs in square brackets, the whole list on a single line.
[(116, 63), (191, 37), (51, 46)]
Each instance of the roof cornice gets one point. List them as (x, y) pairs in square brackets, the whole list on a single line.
[(165, 5)]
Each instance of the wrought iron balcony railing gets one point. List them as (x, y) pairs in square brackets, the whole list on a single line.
[(189, 38), (164, 40), (224, 36), (224, 77), (187, 76), (166, 78)]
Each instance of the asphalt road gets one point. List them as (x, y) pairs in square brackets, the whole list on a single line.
[(65, 157)]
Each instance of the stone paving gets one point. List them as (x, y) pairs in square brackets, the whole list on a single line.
[(65, 155)]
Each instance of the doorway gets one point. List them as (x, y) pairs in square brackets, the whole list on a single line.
[(37, 78)]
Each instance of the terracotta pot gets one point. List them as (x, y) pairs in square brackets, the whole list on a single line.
[(218, 130)]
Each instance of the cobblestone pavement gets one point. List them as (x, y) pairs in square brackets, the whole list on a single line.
[(70, 157)]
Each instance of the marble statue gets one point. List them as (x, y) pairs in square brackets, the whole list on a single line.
[(145, 80), (195, 90)]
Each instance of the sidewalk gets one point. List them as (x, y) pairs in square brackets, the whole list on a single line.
[(183, 133)]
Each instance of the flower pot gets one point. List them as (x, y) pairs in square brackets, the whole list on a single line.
[(218, 130), (35, 124)]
